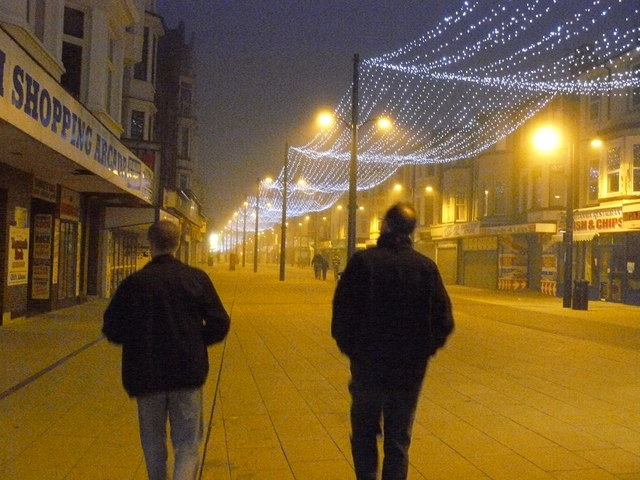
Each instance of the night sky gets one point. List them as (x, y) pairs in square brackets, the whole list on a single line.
[(267, 67)]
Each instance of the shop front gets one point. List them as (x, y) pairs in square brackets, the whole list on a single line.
[(59, 168), (607, 252), (505, 257)]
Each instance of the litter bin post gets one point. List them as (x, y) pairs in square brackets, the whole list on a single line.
[(580, 295)]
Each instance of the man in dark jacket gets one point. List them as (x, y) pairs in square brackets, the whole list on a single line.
[(391, 313), (165, 316)]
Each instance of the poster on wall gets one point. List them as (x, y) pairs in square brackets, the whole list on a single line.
[(512, 263), (18, 256), (56, 250), (42, 248)]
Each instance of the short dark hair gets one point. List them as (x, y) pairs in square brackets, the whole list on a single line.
[(401, 218), (164, 235)]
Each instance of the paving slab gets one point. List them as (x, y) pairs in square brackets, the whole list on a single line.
[(525, 390)]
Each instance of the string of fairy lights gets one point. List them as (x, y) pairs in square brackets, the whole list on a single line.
[(454, 92)]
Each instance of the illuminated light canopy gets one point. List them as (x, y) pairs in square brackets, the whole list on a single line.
[(460, 88)]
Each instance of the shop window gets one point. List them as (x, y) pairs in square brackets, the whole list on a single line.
[(140, 69), (137, 124), (68, 267), (123, 257), (613, 170)]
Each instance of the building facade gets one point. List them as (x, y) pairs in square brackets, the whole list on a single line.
[(78, 157), (497, 220), (176, 128)]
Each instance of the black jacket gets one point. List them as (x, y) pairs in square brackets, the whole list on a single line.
[(391, 312), (164, 316)]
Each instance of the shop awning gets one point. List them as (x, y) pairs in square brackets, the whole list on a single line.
[(577, 237)]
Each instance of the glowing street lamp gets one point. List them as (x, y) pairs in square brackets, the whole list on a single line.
[(383, 123), (548, 139), (283, 224), (244, 232)]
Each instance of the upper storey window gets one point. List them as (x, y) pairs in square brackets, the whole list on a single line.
[(73, 45)]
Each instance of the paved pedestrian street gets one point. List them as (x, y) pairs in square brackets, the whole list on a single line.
[(524, 390)]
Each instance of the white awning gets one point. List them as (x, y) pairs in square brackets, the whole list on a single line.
[(577, 237)]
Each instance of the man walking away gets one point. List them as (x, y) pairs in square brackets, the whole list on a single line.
[(391, 313), (165, 316), (317, 262)]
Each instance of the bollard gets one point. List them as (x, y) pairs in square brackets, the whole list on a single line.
[(580, 295)]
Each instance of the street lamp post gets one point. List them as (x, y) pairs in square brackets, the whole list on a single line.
[(244, 234), (353, 126), (235, 249), (283, 228), (255, 243), (568, 231), (353, 163), (548, 139)]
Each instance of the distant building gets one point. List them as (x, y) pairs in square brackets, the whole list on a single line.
[(176, 128), (496, 220), (66, 174)]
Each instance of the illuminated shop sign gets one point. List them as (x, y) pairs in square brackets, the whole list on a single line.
[(606, 220), (33, 102), (631, 216)]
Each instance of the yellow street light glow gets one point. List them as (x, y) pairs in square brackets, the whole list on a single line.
[(428, 189), (546, 139), (214, 241), (397, 187), (384, 123), (339, 207), (596, 143), (325, 119)]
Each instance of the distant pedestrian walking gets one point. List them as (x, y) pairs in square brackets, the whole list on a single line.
[(165, 316), (391, 313), (335, 265), (325, 267), (317, 262)]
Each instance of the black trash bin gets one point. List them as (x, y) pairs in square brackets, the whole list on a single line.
[(580, 295)]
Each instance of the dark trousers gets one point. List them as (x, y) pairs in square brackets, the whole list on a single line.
[(396, 408)]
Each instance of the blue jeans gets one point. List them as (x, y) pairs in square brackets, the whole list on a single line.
[(370, 405), (183, 409)]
